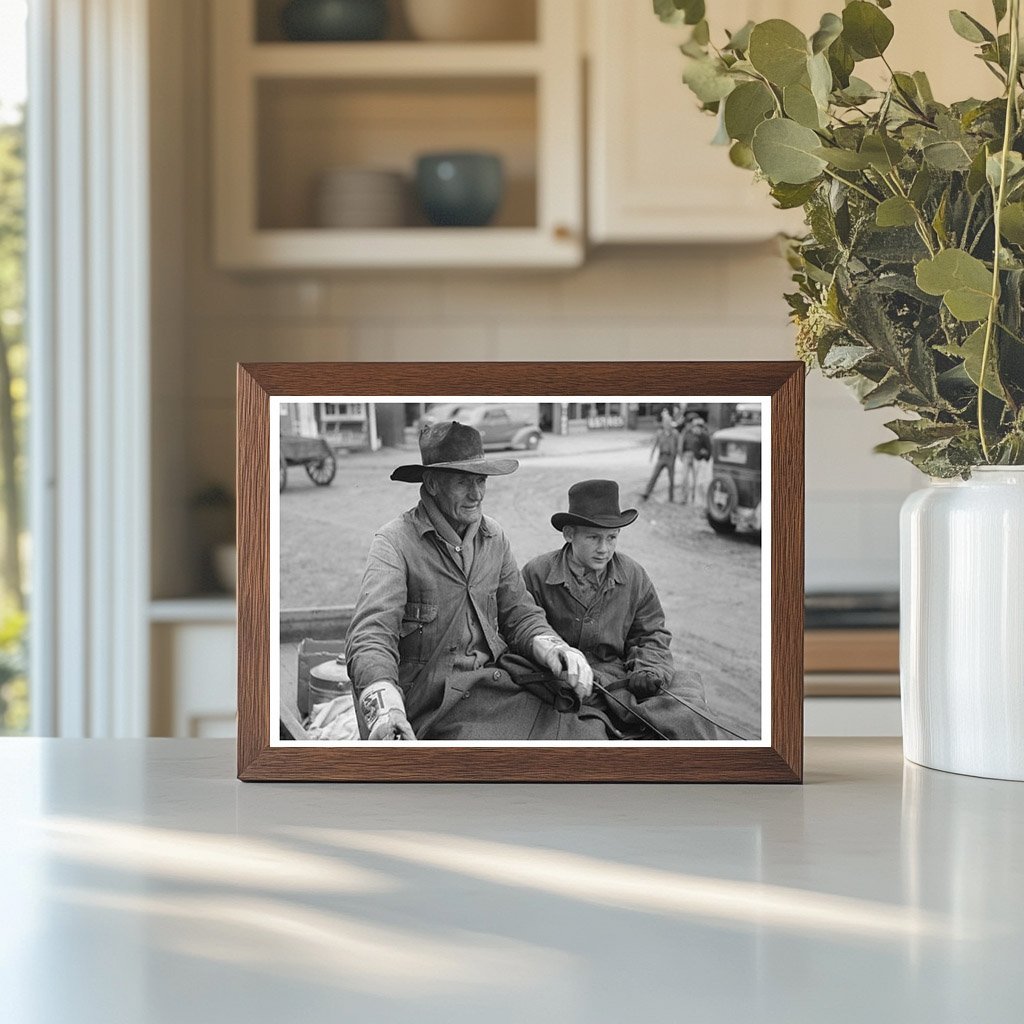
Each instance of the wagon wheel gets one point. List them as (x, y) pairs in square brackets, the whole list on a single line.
[(321, 471), (284, 473)]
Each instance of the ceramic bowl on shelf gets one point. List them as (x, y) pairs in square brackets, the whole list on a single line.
[(361, 198), (334, 20), (460, 189), (469, 20)]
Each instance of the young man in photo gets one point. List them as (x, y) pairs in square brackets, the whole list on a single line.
[(604, 604)]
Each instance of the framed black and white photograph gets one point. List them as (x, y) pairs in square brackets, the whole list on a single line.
[(520, 571)]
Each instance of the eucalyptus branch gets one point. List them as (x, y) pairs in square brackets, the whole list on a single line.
[(771, 89), (993, 308), (977, 238), (853, 185), (969, 217)]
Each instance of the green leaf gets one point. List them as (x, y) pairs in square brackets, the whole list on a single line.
[(895, 447), (968, 28), (830, 28), (721, 136), (946, 156), (921, 185), (923, 431), (939, 220), (844, 159), (866, 29), (841, 60), (971, 352), (896, 212), (707, 80), (883, 153), (785, 152), (668, 12), (745, 108), (694, 11), (994, 167), (885, 394), (1011, 226), (999, 7), (778, 50), (742, 155), (701, 33), (800, 105), (789, 197), (963, 281), (820, 76), (739, 41), (860, 91), (924, 88), (976, 175), (677, 12)]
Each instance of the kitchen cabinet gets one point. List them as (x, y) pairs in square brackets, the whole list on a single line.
[(653, 175), (193, 673), (287, 113)]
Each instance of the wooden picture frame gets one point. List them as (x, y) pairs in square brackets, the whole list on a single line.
[(776, 756)]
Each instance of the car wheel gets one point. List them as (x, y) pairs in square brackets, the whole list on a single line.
[(723, 499), (532, 442)]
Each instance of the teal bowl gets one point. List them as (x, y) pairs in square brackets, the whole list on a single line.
[(333, 21), (461, 190)]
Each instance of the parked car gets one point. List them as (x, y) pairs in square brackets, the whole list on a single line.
[(734, 494), (501, 426)]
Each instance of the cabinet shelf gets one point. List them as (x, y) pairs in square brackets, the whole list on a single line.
[(286, 114), (392, 60), (310, 248)]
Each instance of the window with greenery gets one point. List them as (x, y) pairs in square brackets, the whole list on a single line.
[(14, 714)]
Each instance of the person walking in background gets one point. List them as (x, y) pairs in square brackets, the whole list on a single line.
[(694, 445), (666, 447)]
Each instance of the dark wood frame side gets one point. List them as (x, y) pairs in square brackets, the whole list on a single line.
[(782, 761)]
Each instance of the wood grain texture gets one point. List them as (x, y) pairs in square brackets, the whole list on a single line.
[(781, 762)]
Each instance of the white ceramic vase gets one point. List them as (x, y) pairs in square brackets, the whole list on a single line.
[(962, 624)]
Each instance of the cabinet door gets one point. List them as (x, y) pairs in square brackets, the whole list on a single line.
[(653, 174)]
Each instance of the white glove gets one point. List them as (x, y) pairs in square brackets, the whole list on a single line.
[(565, 662), (384, 711)]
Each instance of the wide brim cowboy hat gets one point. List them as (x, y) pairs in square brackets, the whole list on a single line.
[(453, 445), (594, 503)]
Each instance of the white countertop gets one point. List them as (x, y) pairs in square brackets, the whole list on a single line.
[(144, 885)]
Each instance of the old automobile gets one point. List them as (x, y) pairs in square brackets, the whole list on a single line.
[(515, 425), (734, 494)]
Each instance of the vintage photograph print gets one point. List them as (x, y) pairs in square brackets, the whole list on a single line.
[(494, 585)]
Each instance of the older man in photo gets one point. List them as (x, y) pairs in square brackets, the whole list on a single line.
[(445, 642)]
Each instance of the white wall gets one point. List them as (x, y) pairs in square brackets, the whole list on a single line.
[(720, 302)]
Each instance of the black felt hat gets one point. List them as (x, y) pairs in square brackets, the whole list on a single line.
[(594, 503), (452, 445)]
